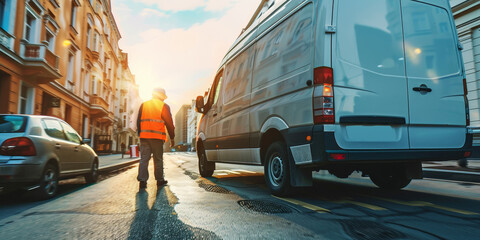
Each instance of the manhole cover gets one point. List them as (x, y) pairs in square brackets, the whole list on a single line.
[(213, 188), (264, 206), (369, 230)]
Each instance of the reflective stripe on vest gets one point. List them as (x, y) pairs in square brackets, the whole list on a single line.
[(151, 124)]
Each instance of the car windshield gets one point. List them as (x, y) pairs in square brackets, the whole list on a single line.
[(12, 124)]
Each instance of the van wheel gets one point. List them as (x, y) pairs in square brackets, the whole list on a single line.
[(92, 176), (277, 171), (390, 180), (205, 167), (48, 184)]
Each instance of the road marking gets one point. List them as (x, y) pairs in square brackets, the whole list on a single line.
[(365, 205), (304, 204), (427, 204)]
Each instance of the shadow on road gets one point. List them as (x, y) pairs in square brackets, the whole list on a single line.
[(155, 218)]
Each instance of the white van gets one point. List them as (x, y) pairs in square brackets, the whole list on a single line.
[(375, 86)]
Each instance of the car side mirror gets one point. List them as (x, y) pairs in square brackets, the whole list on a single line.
[(86, 141), (199, 104)]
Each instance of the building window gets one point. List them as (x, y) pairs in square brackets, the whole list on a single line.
[(89, 36), (30, 24), (26, 100), (124, 121), (95, 41), (73, 14), (85, 126), (68, 113), (71, 63), (2, 11), (86, 87), (50, 39), (98, 7)]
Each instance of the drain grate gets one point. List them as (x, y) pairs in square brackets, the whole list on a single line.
[(213, 188), (369, 230), (264, 206)]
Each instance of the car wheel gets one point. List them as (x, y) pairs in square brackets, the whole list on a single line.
[(394, 180), (205, 167), (92, 177), (277, 171), (49, 183)]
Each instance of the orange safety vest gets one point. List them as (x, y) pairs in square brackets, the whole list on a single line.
[(152, 125)]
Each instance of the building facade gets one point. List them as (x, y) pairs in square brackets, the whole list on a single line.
[(61, 58), (467, 19), (181, 128), (126, 107)]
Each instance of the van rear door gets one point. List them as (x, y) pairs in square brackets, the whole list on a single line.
[(370, 86), (434, 73)]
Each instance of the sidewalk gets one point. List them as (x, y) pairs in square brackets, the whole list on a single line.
[(115, 161), (451, 171)]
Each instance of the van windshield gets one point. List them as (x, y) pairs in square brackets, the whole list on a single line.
[(12, 124), (430, 48)]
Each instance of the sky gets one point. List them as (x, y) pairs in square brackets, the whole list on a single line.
[(179, 44)]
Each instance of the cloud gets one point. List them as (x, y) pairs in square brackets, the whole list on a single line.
[(186, 5), (176, 5), (183, 61), (148, 12)]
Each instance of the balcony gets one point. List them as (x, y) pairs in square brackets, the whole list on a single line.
[(98, 107), (40, 64), (6, 39)]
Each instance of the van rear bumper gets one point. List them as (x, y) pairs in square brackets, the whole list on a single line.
[(323, 144)]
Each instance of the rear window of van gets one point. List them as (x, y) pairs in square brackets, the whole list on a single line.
[(12, 124)]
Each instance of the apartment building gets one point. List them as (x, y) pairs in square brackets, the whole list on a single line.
[(126, 107), (467, 19), (181, 127), (61, 58)]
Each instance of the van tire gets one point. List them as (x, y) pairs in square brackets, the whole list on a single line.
[(277, 169), (394, 180), (205, 167), (48, 183)]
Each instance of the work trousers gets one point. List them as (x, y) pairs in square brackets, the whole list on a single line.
[(147, 147)]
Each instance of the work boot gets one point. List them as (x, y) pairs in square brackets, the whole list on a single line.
[(162, 182), (143, 184)]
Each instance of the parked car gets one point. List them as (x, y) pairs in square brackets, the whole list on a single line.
[(37, 151), (347, 85)]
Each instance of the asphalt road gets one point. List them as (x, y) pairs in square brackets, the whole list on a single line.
[(235, 204)]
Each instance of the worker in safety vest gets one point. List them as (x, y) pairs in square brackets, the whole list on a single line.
[(154, 119)]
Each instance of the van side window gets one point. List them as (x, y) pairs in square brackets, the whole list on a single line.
[(237, 77), (285, 49), (217, 90)]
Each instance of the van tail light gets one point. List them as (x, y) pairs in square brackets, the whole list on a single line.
[(20, 146), (323, 107), (467, 108)]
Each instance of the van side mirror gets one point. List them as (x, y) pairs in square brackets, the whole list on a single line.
[(199, 104), (86, 141)]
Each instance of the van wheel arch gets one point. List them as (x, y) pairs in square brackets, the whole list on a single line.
[(269, 137)]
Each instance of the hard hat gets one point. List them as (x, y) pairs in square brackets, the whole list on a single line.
[(160, 93)]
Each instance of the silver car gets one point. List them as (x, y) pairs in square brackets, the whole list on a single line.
[(37, 151)]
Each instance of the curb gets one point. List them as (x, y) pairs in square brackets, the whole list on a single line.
[(456, 175), (114, 167)]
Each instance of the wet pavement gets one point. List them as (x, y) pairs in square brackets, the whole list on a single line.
[(235, 204)]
